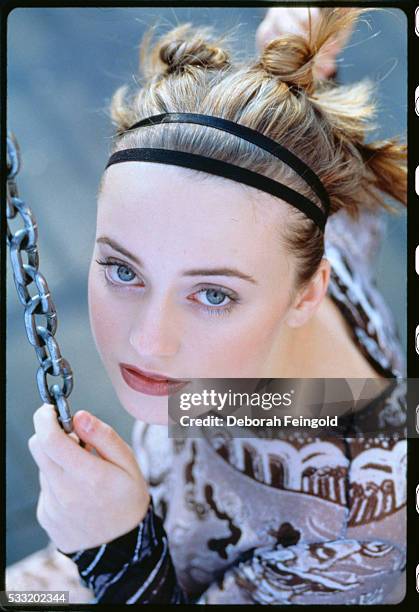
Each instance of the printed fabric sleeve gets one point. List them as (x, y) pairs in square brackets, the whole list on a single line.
[(335, 572), (366, 565), (135, 568)]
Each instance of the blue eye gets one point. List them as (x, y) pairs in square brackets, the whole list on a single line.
[(215, 297), (215, 300), (124, 274)]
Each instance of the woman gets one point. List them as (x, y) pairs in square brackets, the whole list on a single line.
[(217, 269)]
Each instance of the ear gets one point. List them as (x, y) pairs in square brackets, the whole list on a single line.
[(310, 297)]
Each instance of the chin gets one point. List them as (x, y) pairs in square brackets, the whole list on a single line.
[(152, 410)]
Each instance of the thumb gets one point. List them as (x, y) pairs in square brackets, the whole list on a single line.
[(104, 439)]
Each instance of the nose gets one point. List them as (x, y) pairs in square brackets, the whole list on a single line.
[(155, 332)]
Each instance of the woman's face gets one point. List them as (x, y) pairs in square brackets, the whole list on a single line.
[(198, 283)]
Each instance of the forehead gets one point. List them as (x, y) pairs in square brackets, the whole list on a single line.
[(166, 207)]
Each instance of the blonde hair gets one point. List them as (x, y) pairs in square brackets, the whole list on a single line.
[(190, 70)]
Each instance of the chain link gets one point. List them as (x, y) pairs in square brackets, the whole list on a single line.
[(24, 257)]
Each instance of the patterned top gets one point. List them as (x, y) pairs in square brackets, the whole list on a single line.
[(300, 519)]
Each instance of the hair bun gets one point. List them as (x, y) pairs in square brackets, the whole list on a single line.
[(291, 59), (184, 46)]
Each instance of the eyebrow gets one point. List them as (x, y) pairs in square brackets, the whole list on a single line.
[(117, 247), (195, 272), (220, 272)]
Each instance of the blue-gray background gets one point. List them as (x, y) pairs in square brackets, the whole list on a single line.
[(63, 66)]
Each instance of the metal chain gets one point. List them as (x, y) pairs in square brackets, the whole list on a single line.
[(24, 257)]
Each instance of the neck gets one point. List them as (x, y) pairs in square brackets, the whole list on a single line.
[(297, 354), (322, 348)]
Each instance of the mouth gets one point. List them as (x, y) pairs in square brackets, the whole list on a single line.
[(150, 383)]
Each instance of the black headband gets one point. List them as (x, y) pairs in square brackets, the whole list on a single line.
[(235, 173)]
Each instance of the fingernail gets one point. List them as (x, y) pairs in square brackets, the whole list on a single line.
[(86, 422)]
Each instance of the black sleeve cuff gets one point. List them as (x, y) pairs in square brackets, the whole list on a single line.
[(129, 547), (135, 568)]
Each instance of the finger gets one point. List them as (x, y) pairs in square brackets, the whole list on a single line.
[(43, 482), (53, 481), (87, 447), (105, 440), (45, 509), (58, 445), (50, 468), (50, 497)]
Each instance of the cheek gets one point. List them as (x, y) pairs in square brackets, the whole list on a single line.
[(243, 347), (107, 324), (102, 314)]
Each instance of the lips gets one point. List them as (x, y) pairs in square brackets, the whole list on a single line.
[(148, 382)]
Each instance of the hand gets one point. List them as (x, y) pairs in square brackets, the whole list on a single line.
[(295, 20), (85, 500)]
